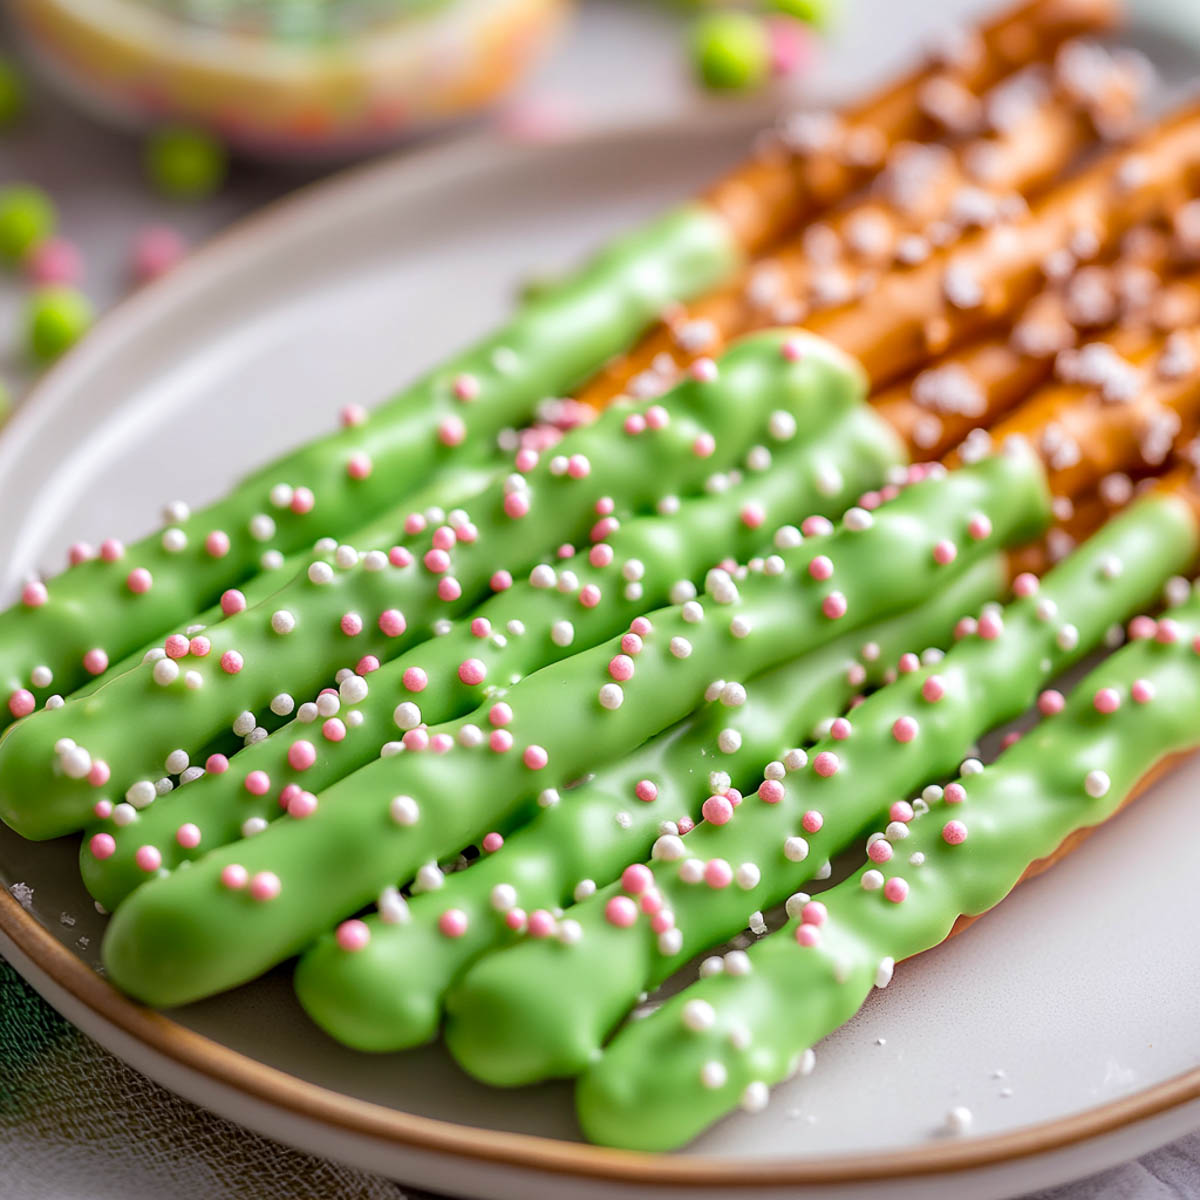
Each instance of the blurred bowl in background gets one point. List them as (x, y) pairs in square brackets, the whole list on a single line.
[(300, 79)]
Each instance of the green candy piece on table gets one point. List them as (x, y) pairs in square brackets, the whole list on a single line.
[(27, 217), (541, 1010), (185, 164), (388, 993), (56, 318), (720, 1043), (427, 430), (378, 603), (518, 631), (243, 908), (818, 13), (731, 51), (13, 97)]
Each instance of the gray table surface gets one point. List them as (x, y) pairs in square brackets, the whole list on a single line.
[(94, 175)]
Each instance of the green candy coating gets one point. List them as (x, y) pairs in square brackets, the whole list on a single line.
[(27, 216), (645, 1091), (547, 347), (731, 51), (56, 318), (13, 96), (185, 164), (541, 1010), (853, 455), (389, 995), (189, 935), (197, 703)]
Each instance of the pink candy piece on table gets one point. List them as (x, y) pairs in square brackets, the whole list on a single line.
[(156, 249)]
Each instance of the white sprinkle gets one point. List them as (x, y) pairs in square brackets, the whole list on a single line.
[(41, 677), (190, 775), (872, 880), (755, 1096), (548, 797), (470, 736), (262, 527), (1096, 784), (54, 701), (958, 1120), (320, 573), (328, 704), (141, 794), (670, 942), (583, 889), (404, 810), (543, 576), (611, 696), (346, 557), (781, 425), (774, 770), (668, 848), (1068, 637), (570, 932), (374, 561), (307, 712), (733, 695), (429, 878), (740, 626), (253, 826), (407, 715), (562, 633), (713, 965), (713, 1074), (271, 560), (747, 876), (504, 897), (692, 612), (177, 762), (176, 512), (393, 908), (795, 849), (698, 1015), (883, 973), (244, 722), (795, 759), (353, 689), (729, 741), (691, 870), (680, 647), (174, 541), (124, 814), (633, 592), (794, 907), (682, 591), (193, 681), (737, 962), (633, 570), (857, 520), (166, 671)]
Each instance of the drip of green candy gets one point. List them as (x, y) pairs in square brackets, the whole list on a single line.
[(722, 1042)]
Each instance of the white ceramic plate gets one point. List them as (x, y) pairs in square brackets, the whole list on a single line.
[(1078, 989)]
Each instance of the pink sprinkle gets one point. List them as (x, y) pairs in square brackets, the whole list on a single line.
[(444, 538), (589, 595), (604, 506), (908, 663), (1025, 584), (1141, 627), (826, 764), (637, 878), (620, 667), (353, 936), (880, 850), (95, 661), (896, 889), (635, 423), (99, 774), (718, 873), (515, 919), (753, 515), (526, 459), (231, 662), (889, 493), (481, 627), (301, 755), (641, 626), (501, 581), (448, 589), (979, 527), (904, 729), (578, 466), (620, 911), (112, 550), (500, 714), (770, 791), (516, 505), (955, 793), (541, 923), (812, 821), (452, 431), (662, 921), (704, 370), (933, 689), (392, 622), (258, 783), (500, 740), (1167, 632), (1106, 700), (437, 562), (199, 646), (535, 757), (353, 415), (414, 523), (954, 833), (301, 805), (991, 626), (821, 567), (21, 703), (288, 793), (398, 556), (814, 913), (34, 594), (716, 810), (156, 250), (264, 886), (840, 729), (901, 811), (657, 417), (415, 679), (80, 552), (791, 45), (646, 791), (334, 730), (965, 628), (102, 845), (1050, 702), (176, 646), (733, 796), (632, 644), (604, 529), (807, 935), (834, 606), (366, 665), (472, 671), (944, 552), (466, 387), (54, 261), (216, 764), (1142, 691), (148, 859), (303, 501), (416, 740), (793, 350), (685, 824), (441, 743), (600, 555), (492, 842), (704, 445), (234, 877), (358, 465), (233, 602), (453, 922), (188, 836)]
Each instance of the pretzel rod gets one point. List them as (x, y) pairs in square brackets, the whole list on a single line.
[(540, 1010), (379, 983), (268, 897), (375, 605), (927, 194), (723, 1041), (583, 600)]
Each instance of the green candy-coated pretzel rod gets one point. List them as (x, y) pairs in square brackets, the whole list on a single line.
[(100, 610), (242, 908), (387, 992), (513, 634), (723, 1041), (540, 1009), (376, 605)]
